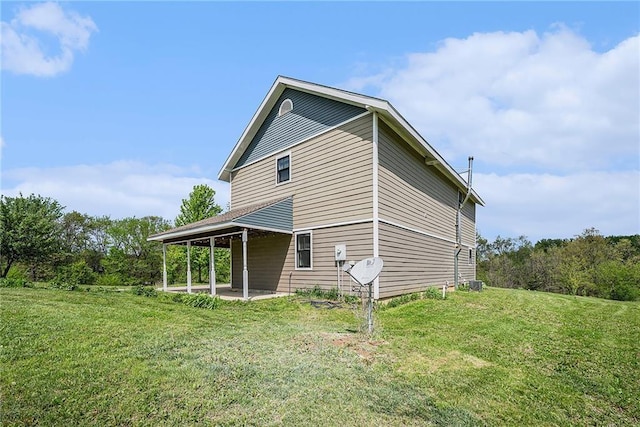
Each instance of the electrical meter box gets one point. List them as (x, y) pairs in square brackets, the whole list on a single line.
[(341, 252)]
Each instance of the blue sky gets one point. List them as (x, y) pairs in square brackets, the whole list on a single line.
[(119, 108)]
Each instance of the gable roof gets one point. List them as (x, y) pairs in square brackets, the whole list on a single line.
[(384, 109)]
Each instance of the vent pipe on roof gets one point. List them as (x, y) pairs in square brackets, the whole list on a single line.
[(458, 248)]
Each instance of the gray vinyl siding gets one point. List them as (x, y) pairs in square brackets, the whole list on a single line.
[(331, 177), (310, 116), (413, 261), (271, 258), (266, 260), (278, 216), (416, 195)]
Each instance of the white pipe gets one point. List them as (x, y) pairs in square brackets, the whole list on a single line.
[(458, 247)]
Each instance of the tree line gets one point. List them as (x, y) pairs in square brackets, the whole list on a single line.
[(589, 264), (39, 241)]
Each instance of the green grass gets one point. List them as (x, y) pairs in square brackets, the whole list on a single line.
[(499, 357)]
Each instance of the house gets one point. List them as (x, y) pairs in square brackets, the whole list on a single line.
[(319, 169)]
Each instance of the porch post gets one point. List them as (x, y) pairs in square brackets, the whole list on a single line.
[(245, 271), (212, 263), (189, 267), (164, 267)]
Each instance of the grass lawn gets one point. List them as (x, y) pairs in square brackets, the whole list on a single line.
[(499, 357)]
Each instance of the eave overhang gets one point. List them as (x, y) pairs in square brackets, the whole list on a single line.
[(274, 216)]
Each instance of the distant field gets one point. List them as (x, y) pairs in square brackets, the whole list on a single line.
[(500, 357)]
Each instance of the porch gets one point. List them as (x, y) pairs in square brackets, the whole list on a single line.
[(226, 292), (266, 218)]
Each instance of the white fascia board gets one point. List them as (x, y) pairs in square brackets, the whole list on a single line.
[(259, 227), (370, 103), (280, 84), (442, 163), (213, 227), (333, 93), (196, 230), (276, 90)]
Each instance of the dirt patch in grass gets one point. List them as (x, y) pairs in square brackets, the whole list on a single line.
[(365, 348)]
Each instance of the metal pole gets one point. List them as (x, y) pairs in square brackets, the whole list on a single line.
[(370, 311)]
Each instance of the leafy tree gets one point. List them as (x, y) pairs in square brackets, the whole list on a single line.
[(132, 259), (201, 205), (29, 230), (588, 264)]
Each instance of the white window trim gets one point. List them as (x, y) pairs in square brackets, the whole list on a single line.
[(295, 261), (278, 157), (280, 113), (471, 256)]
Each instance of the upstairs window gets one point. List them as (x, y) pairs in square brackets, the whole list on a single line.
[(303, 251), (285, 107), (283, 169)]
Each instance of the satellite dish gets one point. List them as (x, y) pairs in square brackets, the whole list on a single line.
[(366, 271)]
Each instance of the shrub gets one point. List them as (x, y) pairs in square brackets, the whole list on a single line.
[(618, 281), (145, 291), (332, 294), (109, 279), (59, 283), (201, 301), (435, 293), (71, 276), (15, 282)]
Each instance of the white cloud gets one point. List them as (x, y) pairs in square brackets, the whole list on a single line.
[(118, 189), (23, 51), (522, 99), (554, 126), (555, 206)]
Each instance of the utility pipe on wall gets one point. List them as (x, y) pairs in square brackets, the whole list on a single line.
[(458, 248)]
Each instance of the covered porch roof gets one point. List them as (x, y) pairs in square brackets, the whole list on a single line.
[(271, 216), (274, 215)]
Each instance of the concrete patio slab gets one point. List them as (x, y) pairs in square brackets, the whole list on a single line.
[(226, 292)]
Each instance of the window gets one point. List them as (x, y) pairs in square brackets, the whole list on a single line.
[(283, 169), (285, 107), (303, 250), (470, 256)]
